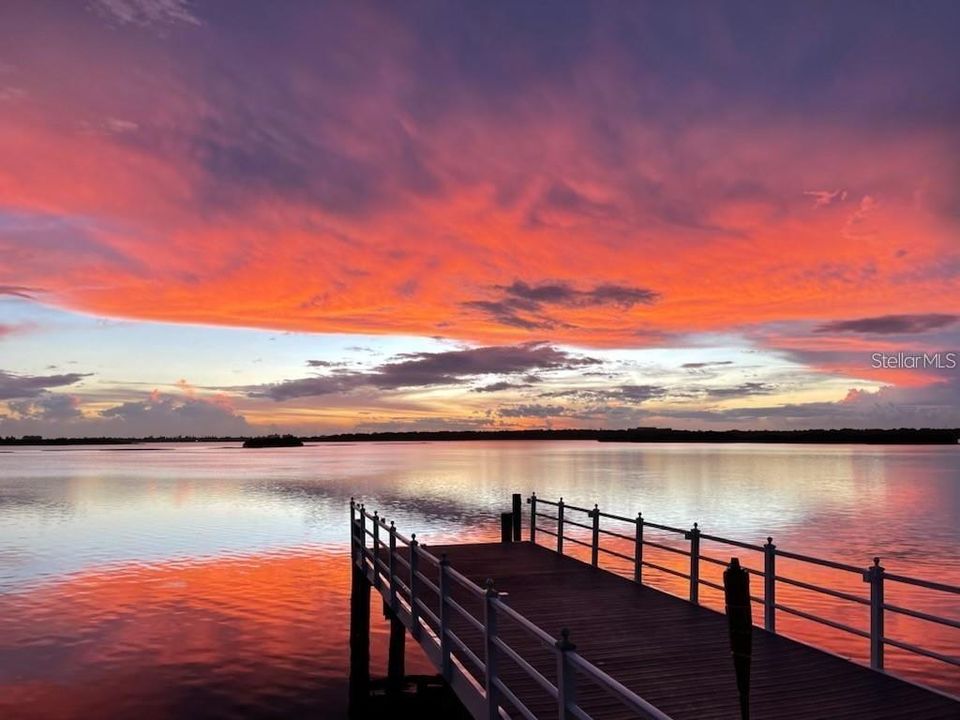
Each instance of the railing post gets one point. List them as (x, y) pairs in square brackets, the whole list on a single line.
[(376, 548), (392, 567), (638, 551), (694, 537), (414, 610), (533, 517), (874, 576), (566, 676), (353, 531), (516, 510), (444, 584), (595, 544), (560, 527), (770, 586), (362, 537), (490, 652)]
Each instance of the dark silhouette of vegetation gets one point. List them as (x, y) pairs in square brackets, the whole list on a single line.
[(876, 436), (273, 441)]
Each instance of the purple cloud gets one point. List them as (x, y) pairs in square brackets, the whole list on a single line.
[(890, 324), (452, 367), (14, 386)]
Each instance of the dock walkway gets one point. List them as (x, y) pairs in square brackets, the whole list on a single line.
[(674, 654), (559, 637)]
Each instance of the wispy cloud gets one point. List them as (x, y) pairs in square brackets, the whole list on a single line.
[(418, 370), (146, 12), (527, 306), (823, 198), (890, 324), (14, 386)]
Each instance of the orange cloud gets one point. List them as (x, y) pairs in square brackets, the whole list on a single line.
[(373, 189)]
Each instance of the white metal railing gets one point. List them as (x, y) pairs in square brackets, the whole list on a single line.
[(476, 680), (875, 575)]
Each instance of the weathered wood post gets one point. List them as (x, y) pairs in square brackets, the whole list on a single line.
[(533, 517), (874, 576), (396, 655), (560, 527), (595, 541), (736, 590), (490, 652), (694, 537), (638, 551), (414, 582), (506, 527), (566, 676), (517, 516), (359, 682), (770, 586), (444, 586)]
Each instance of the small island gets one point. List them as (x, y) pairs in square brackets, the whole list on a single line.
[(273, 441)]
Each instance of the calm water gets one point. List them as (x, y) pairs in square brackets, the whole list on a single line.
[(213, 581)]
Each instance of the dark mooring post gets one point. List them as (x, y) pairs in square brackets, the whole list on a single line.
[(506, 527), (517, 518), (396, 656), (359, 633), (736, 589)]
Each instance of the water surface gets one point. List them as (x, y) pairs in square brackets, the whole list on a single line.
[(208, 580)]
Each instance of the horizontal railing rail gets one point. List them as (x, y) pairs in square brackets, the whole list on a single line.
[(875, 576), (483, 688)]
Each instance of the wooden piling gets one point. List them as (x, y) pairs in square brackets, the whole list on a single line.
[(736, 586), (396, 658), (506, 527), (359, 641)]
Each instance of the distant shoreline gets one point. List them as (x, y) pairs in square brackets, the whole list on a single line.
[(873, 436)]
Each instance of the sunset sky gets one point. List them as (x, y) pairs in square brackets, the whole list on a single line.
[(243, 217)]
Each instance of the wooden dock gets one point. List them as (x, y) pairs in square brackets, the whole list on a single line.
[(559, 637)]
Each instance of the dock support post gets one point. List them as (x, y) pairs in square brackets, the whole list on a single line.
[(770, 586), (359, 636), (595, 543), (517, 516), (414, 608), (694, 537), (874, 576), (533, 517), (566, 676), (638, 551), (560, 527), (490, 652), (396, 657), (736, 590)]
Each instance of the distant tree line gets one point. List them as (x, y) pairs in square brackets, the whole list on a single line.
[(898, 436)]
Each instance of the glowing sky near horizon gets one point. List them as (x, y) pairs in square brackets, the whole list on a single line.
[(233, 217)]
